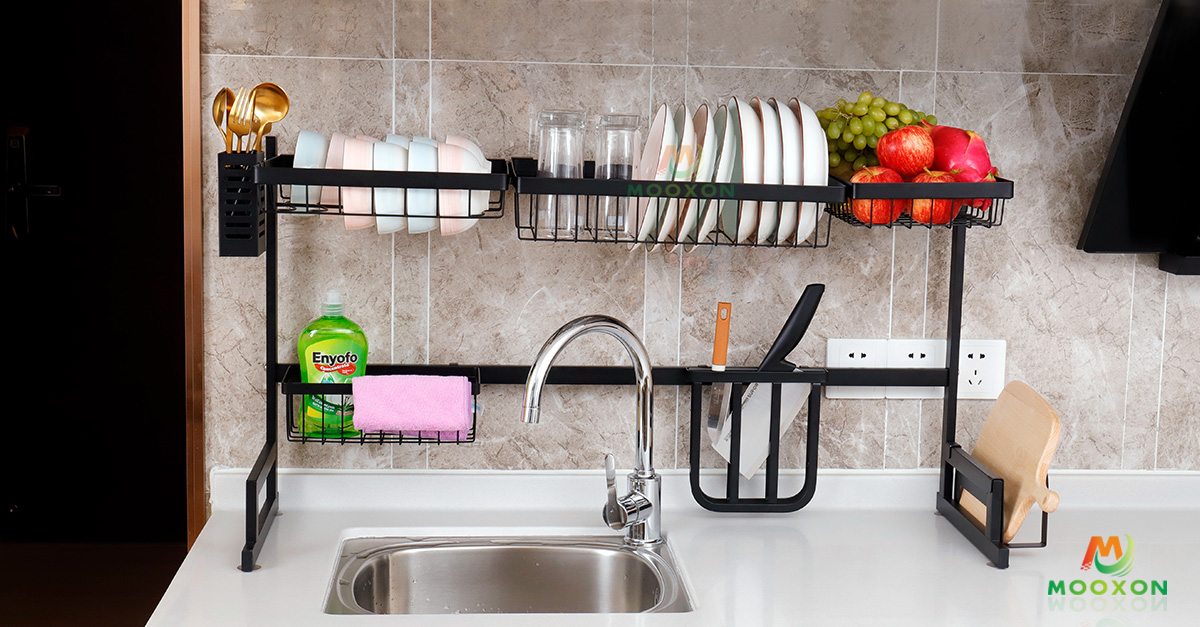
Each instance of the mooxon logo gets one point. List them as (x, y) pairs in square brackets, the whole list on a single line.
[(1098, 548)]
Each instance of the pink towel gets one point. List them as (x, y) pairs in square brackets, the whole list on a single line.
[(429, 406)]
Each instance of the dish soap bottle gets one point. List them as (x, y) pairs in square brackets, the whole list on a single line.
[(332, 349)]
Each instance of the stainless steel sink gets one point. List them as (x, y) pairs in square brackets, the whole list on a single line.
[(504, 575)]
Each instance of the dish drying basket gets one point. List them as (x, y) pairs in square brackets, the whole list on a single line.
[(253, 184), (294, 392), (639, 201)]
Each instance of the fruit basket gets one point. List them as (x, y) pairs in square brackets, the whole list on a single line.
[(919, 204)]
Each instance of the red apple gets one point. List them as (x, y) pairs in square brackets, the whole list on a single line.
[(933, 210), (877, 211), (907, 150)]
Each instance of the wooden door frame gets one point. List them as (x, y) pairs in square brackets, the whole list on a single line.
[(193, 271)]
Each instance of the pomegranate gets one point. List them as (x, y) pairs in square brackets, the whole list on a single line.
[(956, 149), (908, 150), (877, 211), (971, 176), (933, 210)]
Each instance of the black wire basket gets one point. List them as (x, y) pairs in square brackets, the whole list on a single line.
[(900, 204), (665, 213)]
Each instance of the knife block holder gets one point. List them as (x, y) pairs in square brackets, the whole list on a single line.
[(242, 206)]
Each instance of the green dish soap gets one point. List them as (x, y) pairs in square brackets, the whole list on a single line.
[(332, 349)]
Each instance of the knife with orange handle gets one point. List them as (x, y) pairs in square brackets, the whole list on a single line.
[(720, 391)]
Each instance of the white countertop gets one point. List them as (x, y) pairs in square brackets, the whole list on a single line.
[(868, 550)]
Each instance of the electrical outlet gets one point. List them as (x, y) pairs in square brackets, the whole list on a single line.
[(981, 368), (855, 353), (919, 353)]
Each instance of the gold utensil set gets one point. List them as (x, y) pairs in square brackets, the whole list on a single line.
[(249, 114)]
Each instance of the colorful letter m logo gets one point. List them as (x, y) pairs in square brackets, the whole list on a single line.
[(1098, 548)]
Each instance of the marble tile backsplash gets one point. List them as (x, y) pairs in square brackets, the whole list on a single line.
[(1109, 340)]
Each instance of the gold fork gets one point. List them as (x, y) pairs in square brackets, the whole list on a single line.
[(242, 116)]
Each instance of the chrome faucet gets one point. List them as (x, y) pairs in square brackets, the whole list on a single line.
[(638, 511)]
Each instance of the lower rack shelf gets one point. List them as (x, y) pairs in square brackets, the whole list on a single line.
[(889, 205), (333, 426)]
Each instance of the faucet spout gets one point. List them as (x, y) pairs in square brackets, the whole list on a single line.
[(644, 466)]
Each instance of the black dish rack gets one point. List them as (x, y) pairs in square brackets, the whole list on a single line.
[(645, 203), (253, 193)]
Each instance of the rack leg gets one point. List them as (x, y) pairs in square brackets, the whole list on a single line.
[(953, 336)]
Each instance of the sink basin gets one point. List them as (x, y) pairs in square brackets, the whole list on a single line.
[(504, 575)]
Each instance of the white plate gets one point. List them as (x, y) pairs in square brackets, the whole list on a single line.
[(422, 157), (658, 164), (311, 150), (768, 212), (714, 146), (793, 169), (389, 201), (816, 164), (453, 202), (706, 162), (752, 166), (337, 150), (479, 198), (356, 201), (683, 171), (729, 170), (399, 140)]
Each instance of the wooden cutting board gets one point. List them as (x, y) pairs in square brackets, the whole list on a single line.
[(1017, 443)]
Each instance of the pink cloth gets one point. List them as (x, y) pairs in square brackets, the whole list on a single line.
[(430, 406)]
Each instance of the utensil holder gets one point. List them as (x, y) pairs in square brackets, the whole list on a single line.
[(241, 206)]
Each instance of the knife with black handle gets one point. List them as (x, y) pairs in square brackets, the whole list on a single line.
[(793, 330)]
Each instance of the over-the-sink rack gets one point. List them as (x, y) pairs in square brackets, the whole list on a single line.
[(256, 188)]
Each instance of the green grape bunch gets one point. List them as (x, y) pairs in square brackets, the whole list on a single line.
[(853, 129)]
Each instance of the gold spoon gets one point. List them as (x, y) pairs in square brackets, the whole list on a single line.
[(270, 106), (222, 103)]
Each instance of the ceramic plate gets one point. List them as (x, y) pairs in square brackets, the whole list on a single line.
[(816, 164), (768, 212), (479, 197), (752, 166), (793, 170), (337, 150), (683, 171), (706, 162), (356, 201), (422, 157), (658, 164), (311, 150), (453, 202), (714, 147), (389, 201), (729, 170)]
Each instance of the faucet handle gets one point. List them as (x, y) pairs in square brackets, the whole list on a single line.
[(614, 515)]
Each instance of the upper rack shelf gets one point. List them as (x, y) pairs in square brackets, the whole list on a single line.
[(670, 213)]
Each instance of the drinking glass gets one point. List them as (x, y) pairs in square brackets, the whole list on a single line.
[(560, 155), (619, 140)]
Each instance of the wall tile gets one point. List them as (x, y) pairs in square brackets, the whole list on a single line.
[(355, 28), (606, 31), (820, 34), (1142, 410), (497, 103), (1108, 36), (672, 25), (1178, 429)]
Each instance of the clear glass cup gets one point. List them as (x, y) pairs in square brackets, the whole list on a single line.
[(560, 155), (618, 148)]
